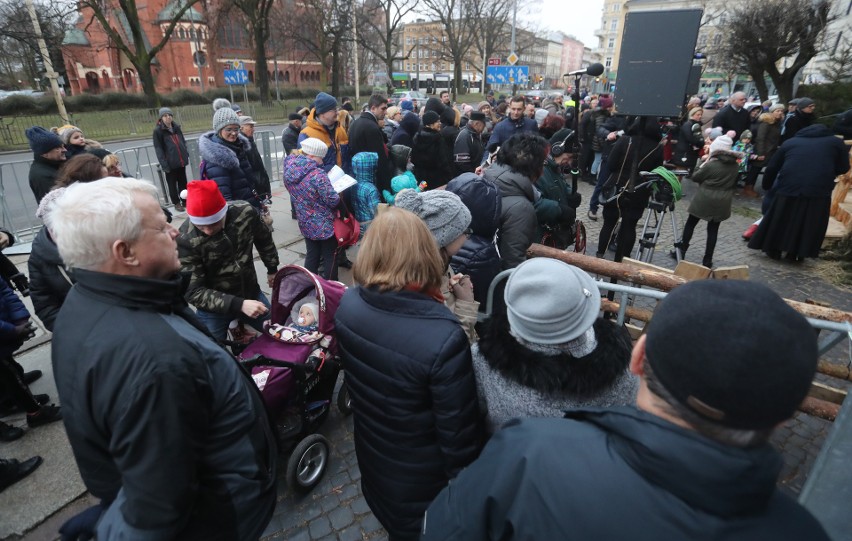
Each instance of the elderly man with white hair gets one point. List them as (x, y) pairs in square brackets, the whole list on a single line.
[(167, 429)]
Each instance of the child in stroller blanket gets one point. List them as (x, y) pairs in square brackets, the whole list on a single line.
[(304, 329)]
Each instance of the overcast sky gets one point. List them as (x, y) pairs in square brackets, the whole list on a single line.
[(579, 18)]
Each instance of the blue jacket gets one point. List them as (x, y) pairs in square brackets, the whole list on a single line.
[(478, 257), (229, 166), (366, 196), (11, 311), (807, 164), (506, 128)]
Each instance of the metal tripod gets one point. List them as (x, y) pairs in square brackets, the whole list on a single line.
[(651, 233)]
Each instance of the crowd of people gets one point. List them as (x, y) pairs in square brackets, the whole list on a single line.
[(458, 417)]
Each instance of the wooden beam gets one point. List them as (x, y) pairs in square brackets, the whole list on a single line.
[(736, 272), (692, 271), (827, 393), (819, 408), (632, 312)]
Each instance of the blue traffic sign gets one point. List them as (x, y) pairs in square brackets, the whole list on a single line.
[(236, 77), (507, 75)]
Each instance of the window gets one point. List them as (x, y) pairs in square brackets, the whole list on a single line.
[(608, 63), (717, 39), (723, 19), (702, 41), (613, 25), (611, 44)]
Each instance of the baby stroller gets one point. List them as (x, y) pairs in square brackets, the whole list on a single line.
[(297, 371)]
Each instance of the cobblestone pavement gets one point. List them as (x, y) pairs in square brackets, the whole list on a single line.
[(336, 509)]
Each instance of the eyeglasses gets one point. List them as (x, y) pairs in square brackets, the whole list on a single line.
[(231, 130), (468, 232)]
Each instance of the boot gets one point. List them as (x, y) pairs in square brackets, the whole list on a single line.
[(748, 191), (707, 261), (12, 471), (679, 246)]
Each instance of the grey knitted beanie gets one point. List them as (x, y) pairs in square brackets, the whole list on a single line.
[(444, 213), (224, 117)]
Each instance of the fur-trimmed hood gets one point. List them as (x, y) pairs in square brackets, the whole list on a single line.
[(727, 156), (214, 151), (580, 377)]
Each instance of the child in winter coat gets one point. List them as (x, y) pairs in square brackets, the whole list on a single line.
[(744, 147), (314, 201), (717, 179), (405, 181), (365, 198)]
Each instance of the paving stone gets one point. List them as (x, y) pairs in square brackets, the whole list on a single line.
[(319, 527), (370, 524), (359, 506), (341, 517), (350, 491), (350, 534), (310, 512)]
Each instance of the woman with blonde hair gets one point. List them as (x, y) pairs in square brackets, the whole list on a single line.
[(408, 371)]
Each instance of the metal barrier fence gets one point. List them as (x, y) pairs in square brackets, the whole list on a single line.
[(18, 204), (113, 125)]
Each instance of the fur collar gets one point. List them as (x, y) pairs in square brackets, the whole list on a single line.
[(216, 153), (581, 377), (727, 156)]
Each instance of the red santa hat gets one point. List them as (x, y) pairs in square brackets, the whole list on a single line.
[(204, 202)]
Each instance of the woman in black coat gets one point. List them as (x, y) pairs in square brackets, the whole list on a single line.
[(629, 205), (689, 141), (800, 179), (430, 155), (408, 371), (408, 128)]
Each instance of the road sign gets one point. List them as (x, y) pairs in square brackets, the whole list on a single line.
[(507, 75), (236, 77), (512, 59), (494, 62)]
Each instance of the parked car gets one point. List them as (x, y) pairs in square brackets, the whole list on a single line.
[(400, 95), (536, 96)]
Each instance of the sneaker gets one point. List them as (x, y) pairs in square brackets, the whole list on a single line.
[(12, 471), (9, 432), (31, 376), (45, 415), (10, 408), (593, 215)]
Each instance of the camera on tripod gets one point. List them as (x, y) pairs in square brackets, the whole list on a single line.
[(665, 187)]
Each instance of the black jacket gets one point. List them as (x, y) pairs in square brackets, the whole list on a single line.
[(806, 165), (259, 169), (478, 257), (43, 176), (290, 138), (163, 422), (794, 123), (170, 146), (468, 149), (688, 144), (621, 158), (365, 135), (616, 474), (48, 285), (730, 119), (408, 128), (408, 371), (431, 159)]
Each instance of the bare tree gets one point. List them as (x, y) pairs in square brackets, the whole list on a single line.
[(321, 27), (133, 41), (455, 16), (491, 27), (791, 37), (838, 66), (18, 44), (378, 24), (256, 15)]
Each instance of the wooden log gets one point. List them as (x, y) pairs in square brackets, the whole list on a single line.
[(820, 312), (647, 266), (819, 408), (634, 331), (620, 271), (834, 370), (692, 271), (736, 272), (827, 393), (632, 312)]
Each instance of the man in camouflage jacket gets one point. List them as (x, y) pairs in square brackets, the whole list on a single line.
[(217, 256)]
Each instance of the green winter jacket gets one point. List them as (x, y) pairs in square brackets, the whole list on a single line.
[(555, 206), (717, 180), (221, 267)]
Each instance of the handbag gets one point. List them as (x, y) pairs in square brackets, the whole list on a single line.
[(347, 230)]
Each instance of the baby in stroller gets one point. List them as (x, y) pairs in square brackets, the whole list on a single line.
[(295, 365)]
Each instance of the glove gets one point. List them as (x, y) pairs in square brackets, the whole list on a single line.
[(25, 330), (81, 527), (22, 284), (574, 200)]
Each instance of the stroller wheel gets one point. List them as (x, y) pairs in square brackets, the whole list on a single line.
[(307, 463), (344, 399)]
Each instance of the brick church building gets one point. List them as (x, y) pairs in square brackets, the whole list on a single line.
[(193, 58)]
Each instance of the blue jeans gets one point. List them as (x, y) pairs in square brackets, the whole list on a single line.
[(217, 324), (603, 174), (596, 164)]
